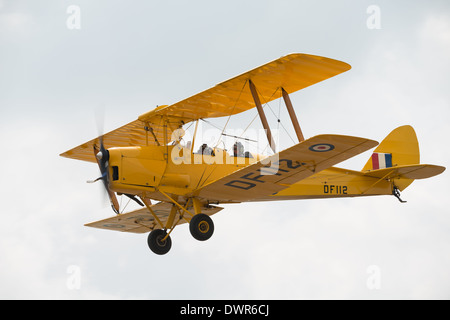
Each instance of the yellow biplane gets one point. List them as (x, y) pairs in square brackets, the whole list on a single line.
[(146, 160)]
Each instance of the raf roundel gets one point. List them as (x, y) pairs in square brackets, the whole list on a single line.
[(321, 147), (114, 226)]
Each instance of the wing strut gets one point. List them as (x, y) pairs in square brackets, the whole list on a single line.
[(262, 116), (294, 119)]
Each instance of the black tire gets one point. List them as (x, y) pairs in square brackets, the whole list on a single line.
[(201, 227), (156, 244)]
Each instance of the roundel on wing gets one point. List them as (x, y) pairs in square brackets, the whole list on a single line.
[(321, 147), (114, 225)]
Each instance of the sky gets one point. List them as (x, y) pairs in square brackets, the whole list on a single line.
[(57, 71)]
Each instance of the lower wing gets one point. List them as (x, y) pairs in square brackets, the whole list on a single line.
[(142, 221)]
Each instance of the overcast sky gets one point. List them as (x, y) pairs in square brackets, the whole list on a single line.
[(126, 58)]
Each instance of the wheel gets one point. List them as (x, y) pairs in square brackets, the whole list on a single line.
[(157, 244), (201, 227)]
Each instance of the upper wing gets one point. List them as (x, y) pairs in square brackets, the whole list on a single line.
[(142, 221), (292, 72), (135, 133), (263, 179)]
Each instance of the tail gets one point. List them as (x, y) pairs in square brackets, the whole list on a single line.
[(397, 158)]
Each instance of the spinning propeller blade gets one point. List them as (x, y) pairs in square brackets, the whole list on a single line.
[(102, 157)]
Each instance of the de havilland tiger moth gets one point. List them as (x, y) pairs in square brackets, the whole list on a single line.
[(147, 161)]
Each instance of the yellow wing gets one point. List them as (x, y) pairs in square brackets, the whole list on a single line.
[(262, 179), (292, 72), (142, 221)]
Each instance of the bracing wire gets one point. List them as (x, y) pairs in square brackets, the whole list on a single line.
[(248, 126), (123, 210), (265, 103), (278, 118), (232, 111)]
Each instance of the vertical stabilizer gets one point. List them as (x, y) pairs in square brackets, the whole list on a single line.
[(399, 148)]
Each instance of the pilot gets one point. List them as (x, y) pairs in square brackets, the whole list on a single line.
[(205, 150), (238, 149)]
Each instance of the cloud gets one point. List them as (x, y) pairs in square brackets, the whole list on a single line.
[(14, 22), (294, 249), (436, 31)]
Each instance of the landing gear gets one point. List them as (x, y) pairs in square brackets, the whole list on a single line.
[(201, 227), (159, 242)]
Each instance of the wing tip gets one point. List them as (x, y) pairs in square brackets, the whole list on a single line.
[(343, 65)]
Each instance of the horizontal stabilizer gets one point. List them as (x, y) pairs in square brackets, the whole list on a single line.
[(418, 171)]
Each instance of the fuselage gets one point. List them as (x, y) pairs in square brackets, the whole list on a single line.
[(176, 170)]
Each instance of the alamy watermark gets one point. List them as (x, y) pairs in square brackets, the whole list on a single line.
[(73, 21), (374, 19), (73, 281), (243, 148), (373, 281)]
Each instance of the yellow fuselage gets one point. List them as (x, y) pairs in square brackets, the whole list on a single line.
[(178, 171)]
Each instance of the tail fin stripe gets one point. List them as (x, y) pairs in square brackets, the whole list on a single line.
[(375, 163), (388, 159), (382, 160)]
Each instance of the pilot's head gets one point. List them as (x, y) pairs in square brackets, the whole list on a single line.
[(238, 149)]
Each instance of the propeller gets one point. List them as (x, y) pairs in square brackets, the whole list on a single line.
[(102, 157)]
